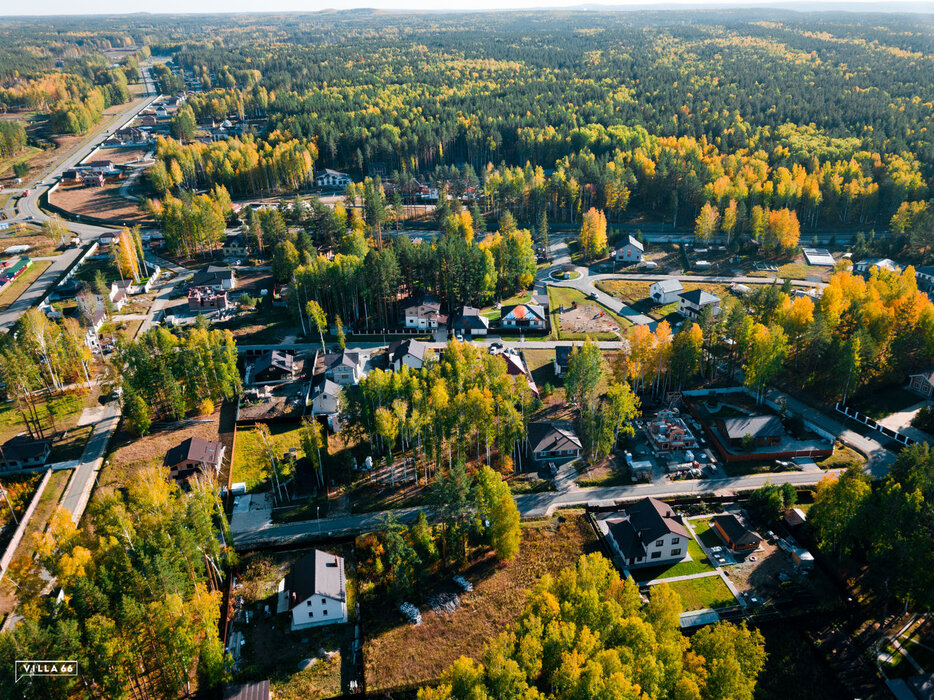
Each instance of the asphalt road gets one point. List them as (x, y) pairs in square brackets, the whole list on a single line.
[(82, 480)]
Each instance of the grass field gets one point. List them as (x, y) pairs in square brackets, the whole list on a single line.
[(22, 283), (565, 296), (65, 410), (705, 592), (396, 653), (842, 458), (492, 313), (23, 156), (704, 532), (698, 564), (250, 463)]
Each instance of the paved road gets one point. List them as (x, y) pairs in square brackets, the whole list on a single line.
[(85, 475)]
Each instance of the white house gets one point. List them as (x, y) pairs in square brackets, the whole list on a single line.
[(344, 368), (332, 178), (471, 322), (665, 291), (630, 252), (864, 267), (410, 353), (325, 398), (925, 277), (646, 533), (425, 316), (314, 591), (523, 316), (691, 304)]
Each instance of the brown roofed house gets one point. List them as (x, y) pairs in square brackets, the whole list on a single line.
[(553, 442), (314, 591), (735, 534), (194, 455)]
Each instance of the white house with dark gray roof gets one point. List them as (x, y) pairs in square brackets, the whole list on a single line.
[(665, 291), (314, 591), (646, 533), (325, 398), (553, 442), (471, 322), (924, 276), (631, 251), (408, 353), (692, 304), (344, 368), (332, 178)]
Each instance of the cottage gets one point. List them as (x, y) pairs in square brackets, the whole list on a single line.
[(516, 367), (71, 175), (194, 455), (665, 291), (235, 246), (865, 267), (91, 338), (692, 304), (273, 367), (325, 398), (735, 534), (631, 251), (471, 322), (332, 178), (314, 591), (531, 316), (107, 239), (201, 299), (646, 533), (22, 453), (795, 517), (764, 430), (553, 442), (92, 179), (410, 353), (924, 276), (922, 384), (344, 368), (562, 359), (424, 316), (216, 277)]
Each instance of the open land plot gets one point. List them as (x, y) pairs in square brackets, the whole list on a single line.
[(56, 414), (398, 654), (24, 156), (98, 202), (130, 454), (273, 651), (15, 289), (39, 244), (574, 317), (541, 364), (250, 463), (704, 592), (121, 156)]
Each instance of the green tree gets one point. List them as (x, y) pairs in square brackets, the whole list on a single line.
[(496, 505), (318, 319)]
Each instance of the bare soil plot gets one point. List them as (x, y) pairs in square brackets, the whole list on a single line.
[(588, 319), (119, 156), (396, 654), (99, 202), (39, 244)]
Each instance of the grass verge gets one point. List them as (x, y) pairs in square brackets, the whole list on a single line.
[(705, 592)]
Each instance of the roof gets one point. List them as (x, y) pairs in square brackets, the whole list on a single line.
[(401, 348), (926, 376), (470, 318), (235, 239), (549, 437), (427, 309), (213, 275), (634, 242), (257, 690), (274, 358), (668, 285), (317, 573), (698, 297), (563, 354), (344, 358), (925, 270), (757, 426), (644, 522), (521, 311), (885, 263), (795, 517), (328, 171), (22, 447), (326, 388), (818, 256), (736, 532), (193, 449)]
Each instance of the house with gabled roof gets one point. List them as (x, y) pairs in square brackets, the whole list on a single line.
[(471, 322), (344, 368), (410, 353), (425, 315), (922, 383), (735, 534), (273, 367), (692, 304), (646, 533), (332, 178), (192, 455), (556, 441), (530, 316), (314, 592), (631, 251), (665, 291)]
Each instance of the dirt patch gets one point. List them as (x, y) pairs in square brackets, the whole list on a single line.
[(119, 156), (397, 654), (39, 244), (100, 202), (588, 319)]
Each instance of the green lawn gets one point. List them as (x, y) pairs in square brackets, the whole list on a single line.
[(698, 564), (23, 156), (565, 296), (706, 592), (250, 464), (493, 313), (705, 533), (63, 410), (881, 402), (842, 458)]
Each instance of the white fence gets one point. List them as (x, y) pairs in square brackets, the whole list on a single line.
[(23, 523)]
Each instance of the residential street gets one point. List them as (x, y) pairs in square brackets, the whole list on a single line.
[(82, 480)]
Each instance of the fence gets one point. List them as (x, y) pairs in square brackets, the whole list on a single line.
[(870, 423), (23, 524)]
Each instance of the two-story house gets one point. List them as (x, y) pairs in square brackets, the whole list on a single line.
[(556, 441), (692, 304), (314, 592), (631, 251), (273, 367), (344, 368), (409, 353), (646, 533), (425, 316), (665, 291), (216, 277), (194, 454)]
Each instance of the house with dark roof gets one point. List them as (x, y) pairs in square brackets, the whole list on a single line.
[(235, 246), (254, 690), (217, 277), (692, 304), (735, 534), (646, 533), (425, 315), (410, 353), (194, 454), (314, 592), (922, 384), (530, 316), (562, 359), (273, 367), (556, 441), (631, 251), (23, 453), (344, 368), (764, 430), (471, 322)]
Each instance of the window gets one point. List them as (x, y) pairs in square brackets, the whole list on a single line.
[(675, 540), (324, 601), (324, 612), (675, 552), (660, 543), (656, 555), (308, 602)]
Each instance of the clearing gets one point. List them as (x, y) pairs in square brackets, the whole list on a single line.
[(250, 463), (704, 592), (98, 202), (574, 317)]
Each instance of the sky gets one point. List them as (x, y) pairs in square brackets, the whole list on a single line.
[(58, 7)]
